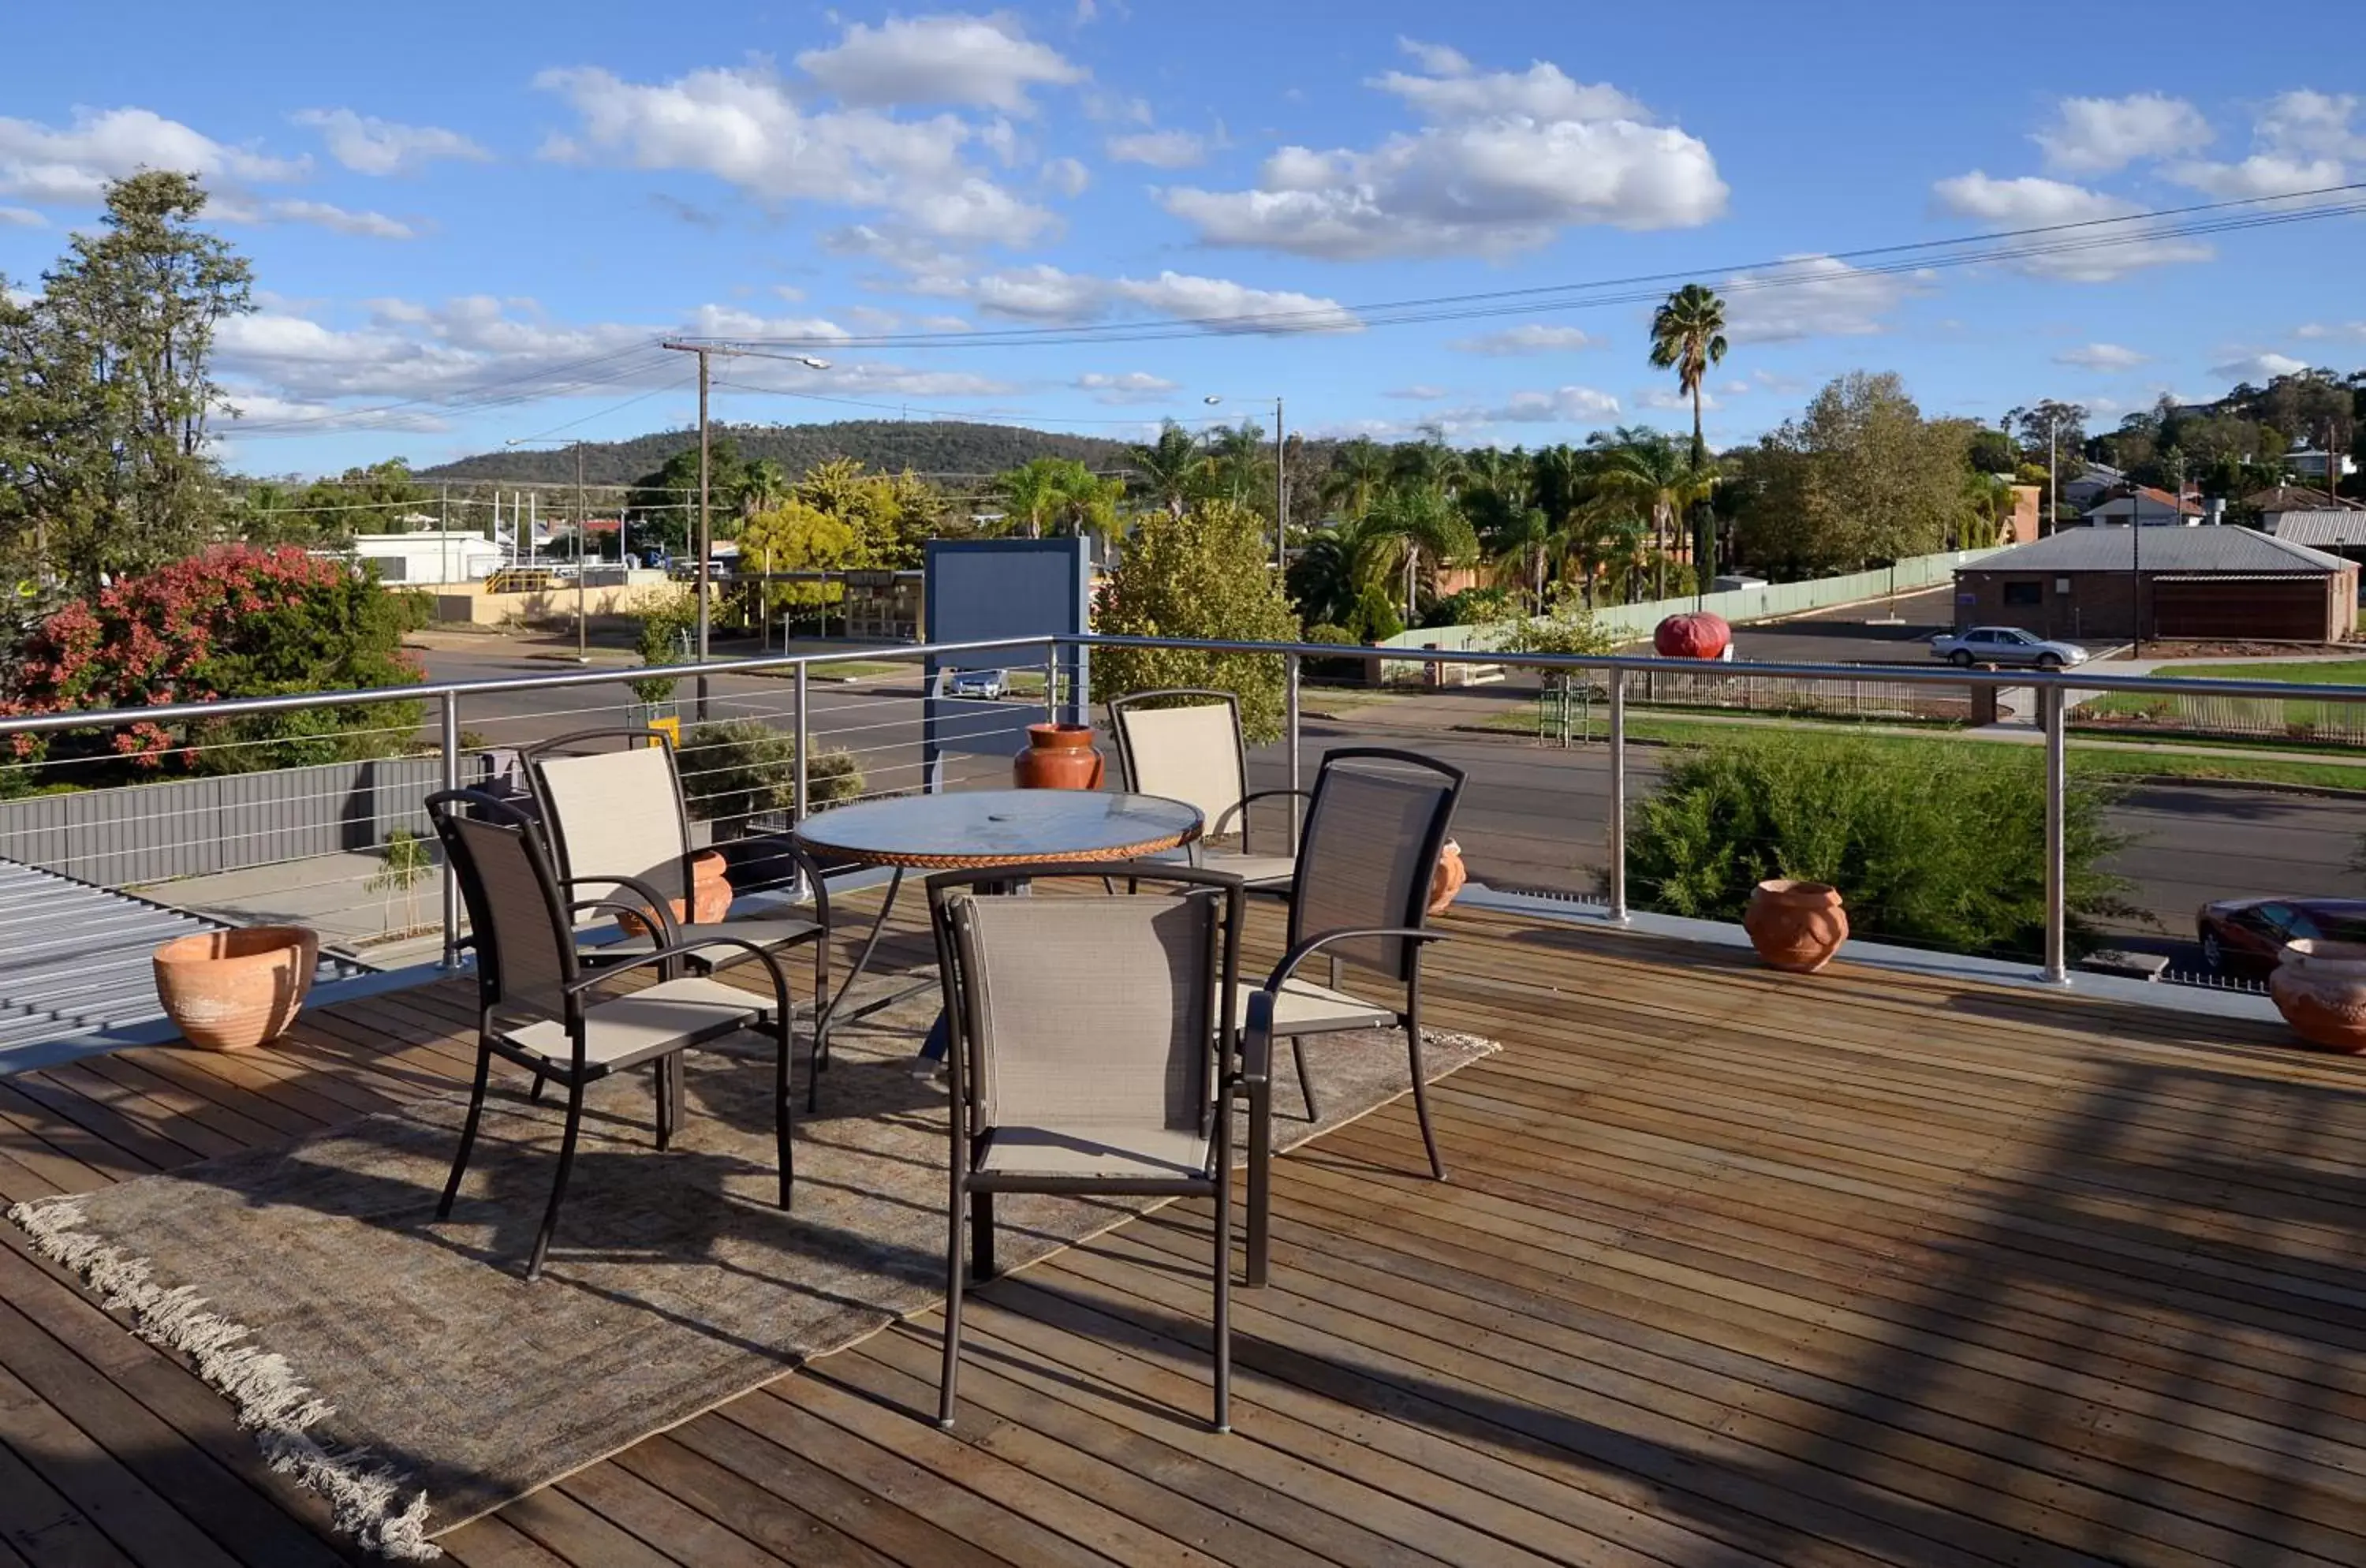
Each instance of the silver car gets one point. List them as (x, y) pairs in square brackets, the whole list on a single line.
[(2005, 645), (991, 685)]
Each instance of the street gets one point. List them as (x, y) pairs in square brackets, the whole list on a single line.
[(1532, 817)]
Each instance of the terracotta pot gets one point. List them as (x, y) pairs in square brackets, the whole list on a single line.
[(710, 895), (234, 990), (1698, 635), (1796, 925), (1058, 756), (1447, 879), (2320, 988)]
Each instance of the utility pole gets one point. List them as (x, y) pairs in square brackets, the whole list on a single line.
[(582, 521), (2052, 481)]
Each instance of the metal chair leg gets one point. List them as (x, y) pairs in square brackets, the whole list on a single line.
[(1305, 1080), (1421, 1094), (540, 1080), (467, 1132), (1223, 1246), (1260, 1180), (661, 1073), (783, 1128), (558, 1186), (981, 1240), (958, 1217)]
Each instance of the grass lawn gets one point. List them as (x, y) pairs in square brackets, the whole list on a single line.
[(2294, 714)]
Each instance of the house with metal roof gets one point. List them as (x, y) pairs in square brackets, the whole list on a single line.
[(2340, 533), (2216, 583), (2153, 508)]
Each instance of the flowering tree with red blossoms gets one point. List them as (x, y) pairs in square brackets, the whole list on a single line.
[(234, 621)]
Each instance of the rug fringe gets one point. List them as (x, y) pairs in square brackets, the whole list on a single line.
[(281, 1411)]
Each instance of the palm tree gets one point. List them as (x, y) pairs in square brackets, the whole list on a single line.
[(1526, 544), (1337, 564), (1644, 467), (1358, 469), (1235, 454), (1171, 469), (1426, 525), (1688, 336), (1030, 494), (763, 487)]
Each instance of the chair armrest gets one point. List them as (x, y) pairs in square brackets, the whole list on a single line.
[(1241, 809), (816, 878), (1313, 945), (1257, 1041), (683, 950), (655, 904)]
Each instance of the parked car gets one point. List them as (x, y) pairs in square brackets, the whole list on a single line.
[(2004, 645), (985, 684), (2244, 938)]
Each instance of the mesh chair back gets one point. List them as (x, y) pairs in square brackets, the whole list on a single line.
[(1372, 835), (616, 812), (1089, 1008), (1191, 753), (525, 948)]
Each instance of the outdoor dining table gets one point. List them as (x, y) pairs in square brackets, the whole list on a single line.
[(980, 830)]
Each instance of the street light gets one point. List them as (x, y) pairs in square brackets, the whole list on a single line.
[(582, 636), (1281, 486)]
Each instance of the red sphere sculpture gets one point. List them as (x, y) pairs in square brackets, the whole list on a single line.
[(1696, 636)]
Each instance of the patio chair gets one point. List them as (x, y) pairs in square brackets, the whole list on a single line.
[(618, 811), (536, 1005), (1185, 744), (1372, 837), (1088, 1036)]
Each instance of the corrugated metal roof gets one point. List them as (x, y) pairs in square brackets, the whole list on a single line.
[(73, 958), (2207, 551), (2322, 528)]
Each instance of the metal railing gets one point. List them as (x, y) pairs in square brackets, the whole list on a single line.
[(1063, 696)]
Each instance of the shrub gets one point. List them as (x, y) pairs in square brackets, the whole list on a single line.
[(1470, 608), (1568, 628), (736, 768), (234, 621), (1938, 844), (660, 642), (1208, 573), (1333, 669)]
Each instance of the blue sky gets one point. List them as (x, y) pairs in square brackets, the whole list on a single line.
[(469, 225)]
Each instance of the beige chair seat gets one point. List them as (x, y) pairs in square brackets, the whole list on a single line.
[(1256, 871), (763, 933), (1104, 1149), (649, 1020), (1304, 1008)]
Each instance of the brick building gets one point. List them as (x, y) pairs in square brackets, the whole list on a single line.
[(2212, 582)]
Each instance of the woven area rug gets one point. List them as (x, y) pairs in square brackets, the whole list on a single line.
[(405, 1369)]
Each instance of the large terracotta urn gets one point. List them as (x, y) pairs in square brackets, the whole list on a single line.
[(232, 990), (1698, 635), (2320, 988), (1796, 925), (710, 896), (1058, 756), (1447, 880)]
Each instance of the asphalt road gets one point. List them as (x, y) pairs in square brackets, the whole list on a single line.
[(1532, 817)]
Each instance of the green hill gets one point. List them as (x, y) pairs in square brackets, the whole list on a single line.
[(943, 448)]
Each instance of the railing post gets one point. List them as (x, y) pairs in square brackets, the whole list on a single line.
[(797, 801), (1290, 732), (2054, 713), (1051, 683), (448, 744), (1618, 796)]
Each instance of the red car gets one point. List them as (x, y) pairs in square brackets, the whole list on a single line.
[(2245, 937)]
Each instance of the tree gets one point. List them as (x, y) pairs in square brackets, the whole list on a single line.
[(406, 866), (1173, 470), (1426, 527), (1058, 495), (1205, 574), (797, 537), (1860, 478), (108, 381), (662, 507), (1643, 467), (1336, 566), (1688, 336), (1357, 471), (327, 514)]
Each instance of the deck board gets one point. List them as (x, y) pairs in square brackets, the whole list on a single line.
[(1858, 1269)]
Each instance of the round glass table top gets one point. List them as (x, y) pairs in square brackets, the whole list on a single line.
[(1002, 827)]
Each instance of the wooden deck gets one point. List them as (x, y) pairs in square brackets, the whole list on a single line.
[(1735, 1267)]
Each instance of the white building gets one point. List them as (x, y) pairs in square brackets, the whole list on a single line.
[(429, 558)]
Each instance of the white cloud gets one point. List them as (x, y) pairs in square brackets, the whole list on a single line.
[(1563, 405), (22, 217), (744, 126), (2259, 368), (1048, 294), (1812, 297), (1068, 177), (327, 215), (1419, 393), (372, 146), (2299, 142), (1159, 149), (2260, 175), (1534, 338), (2311, 123), (2094, 136), (2103, 357), (2030, 202), (1437, 58), (1130, 386), (2315, 331), (1500, 162), (73, 166), (985, 60)]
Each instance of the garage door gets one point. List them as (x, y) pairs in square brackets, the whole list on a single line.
[(2272, 609)]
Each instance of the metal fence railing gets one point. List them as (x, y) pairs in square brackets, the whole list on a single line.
[(766, 741)]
